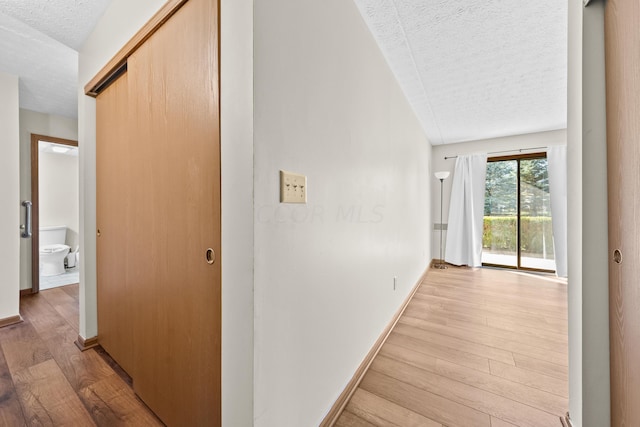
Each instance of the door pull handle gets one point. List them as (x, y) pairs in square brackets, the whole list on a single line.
[(211, 256), (26, 228)]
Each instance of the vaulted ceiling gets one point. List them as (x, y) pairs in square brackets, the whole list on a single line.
[(39, 42), (470, 69), (476, 69)]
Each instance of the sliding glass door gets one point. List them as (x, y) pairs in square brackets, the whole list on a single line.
[(500, 231), (517, 214)]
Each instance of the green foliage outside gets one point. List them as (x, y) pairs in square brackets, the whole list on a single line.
[(501, 207), (499, 235), (501, 190)]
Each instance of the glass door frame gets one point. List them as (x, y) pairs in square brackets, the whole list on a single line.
[(518, 158)]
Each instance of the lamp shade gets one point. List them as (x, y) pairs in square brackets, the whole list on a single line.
[(442, 174)]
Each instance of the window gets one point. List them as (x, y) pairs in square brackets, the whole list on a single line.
[(517, 213)]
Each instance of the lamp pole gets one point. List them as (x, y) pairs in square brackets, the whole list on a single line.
[(441, 226), (441, 176)]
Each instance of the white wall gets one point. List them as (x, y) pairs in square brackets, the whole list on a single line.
[(121, 20), (516, 142), (327, 106), (58, 193), (236, 129), (589, 396), (41, 124), (10, 212), (574, 208)]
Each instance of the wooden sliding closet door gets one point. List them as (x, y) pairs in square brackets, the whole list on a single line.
[(173, 88), (623, 159), (158, 218), (115, 175)]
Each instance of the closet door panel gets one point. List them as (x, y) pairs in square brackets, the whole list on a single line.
[(175, 132), (114, 176), (623, 155)]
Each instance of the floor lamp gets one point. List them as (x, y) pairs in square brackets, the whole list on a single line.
[(441, 176)]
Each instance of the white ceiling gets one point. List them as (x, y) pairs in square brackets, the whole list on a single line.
[(470, 69), (476, 69), (39, 42)]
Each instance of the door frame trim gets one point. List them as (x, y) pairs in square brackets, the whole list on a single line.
[(35, 204)]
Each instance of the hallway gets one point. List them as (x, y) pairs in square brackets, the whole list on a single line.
[(46, 380), (475, 347)]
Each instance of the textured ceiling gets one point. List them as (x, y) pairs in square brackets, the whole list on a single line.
[(476, 69), (39, 40), (471, 70), (68, 21)]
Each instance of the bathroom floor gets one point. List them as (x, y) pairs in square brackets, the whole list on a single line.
[(70, 276)]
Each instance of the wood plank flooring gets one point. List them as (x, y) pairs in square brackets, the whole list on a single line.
[(45, 380), (475, 347)]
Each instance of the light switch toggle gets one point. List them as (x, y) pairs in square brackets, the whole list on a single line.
[(293, 187)]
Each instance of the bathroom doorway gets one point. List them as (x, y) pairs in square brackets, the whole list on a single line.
[(55, 210)]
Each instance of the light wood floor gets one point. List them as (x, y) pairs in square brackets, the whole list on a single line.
[(46, 381), (475, 347)]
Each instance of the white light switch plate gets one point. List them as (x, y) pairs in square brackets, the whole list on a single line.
[(293, 187)]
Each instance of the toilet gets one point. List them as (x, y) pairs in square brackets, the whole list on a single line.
[(53, 250)]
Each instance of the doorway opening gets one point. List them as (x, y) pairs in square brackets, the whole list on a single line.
[(55, 212), (517, 230)]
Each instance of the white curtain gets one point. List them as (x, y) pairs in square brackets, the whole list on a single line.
[(557, 168), (466, 211)]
